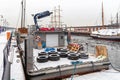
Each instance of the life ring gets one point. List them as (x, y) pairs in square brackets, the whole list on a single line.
[(37, 38), (42, 59), (73, 56), (54, 57)]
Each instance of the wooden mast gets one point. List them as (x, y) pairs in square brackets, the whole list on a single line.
[(117, 18), (22, 14), (102, 16), (23, 30), (23, 3)]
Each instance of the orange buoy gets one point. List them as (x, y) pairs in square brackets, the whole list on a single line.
[(39, 44), (8, 35)]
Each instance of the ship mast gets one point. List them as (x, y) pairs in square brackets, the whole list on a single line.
[(23, 3), (117, 19), (102, 16), (24, 11), (22, 14)]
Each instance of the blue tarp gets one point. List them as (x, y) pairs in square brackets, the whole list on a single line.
[(49, 49)]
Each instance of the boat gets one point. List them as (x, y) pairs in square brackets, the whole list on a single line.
[(107, 34), (58, 61), (54, 61)]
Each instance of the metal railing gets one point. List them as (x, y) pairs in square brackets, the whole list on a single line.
[(6, 63)]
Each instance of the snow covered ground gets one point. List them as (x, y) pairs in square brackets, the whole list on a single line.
[(16, 65), (3, 41)]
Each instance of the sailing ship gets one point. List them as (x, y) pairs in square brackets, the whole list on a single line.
[(107, 34)]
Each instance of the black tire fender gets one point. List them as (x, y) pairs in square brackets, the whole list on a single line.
[(63, 54), (42, 53), (54, 57), (52, 52), (73, 56), (42, 59)]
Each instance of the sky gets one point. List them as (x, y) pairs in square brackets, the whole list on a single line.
[(73, 12)]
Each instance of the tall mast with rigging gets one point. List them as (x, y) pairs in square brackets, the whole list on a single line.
[(23, 3), (24, 12), (102, 16), (23, 30)]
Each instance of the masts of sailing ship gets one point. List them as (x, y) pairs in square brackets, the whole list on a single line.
[(102, 16), (23, 3)]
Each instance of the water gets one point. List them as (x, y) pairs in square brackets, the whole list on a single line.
[(113, 48)]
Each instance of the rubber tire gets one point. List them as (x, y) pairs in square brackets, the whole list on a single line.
[(54, 57), (52, 52), (83, 56), (59, 49), (73, 56), (63, 54), (42, 53), (42, 59), (63, 50)]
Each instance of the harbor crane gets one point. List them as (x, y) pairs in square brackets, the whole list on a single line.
[(39, 16)]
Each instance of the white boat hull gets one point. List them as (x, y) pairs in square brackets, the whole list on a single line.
[(107, 37)]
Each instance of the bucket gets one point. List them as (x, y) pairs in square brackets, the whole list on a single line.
[(8, 35)]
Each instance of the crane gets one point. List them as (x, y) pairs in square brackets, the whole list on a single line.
[(39, 16)]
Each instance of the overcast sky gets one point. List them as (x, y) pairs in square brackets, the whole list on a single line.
[(74, 12)]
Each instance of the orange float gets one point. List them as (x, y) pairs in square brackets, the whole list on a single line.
[(8, 35)]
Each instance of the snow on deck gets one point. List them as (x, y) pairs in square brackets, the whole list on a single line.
[(102, 75), (62, 61), (17, 72), (110, 74)]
